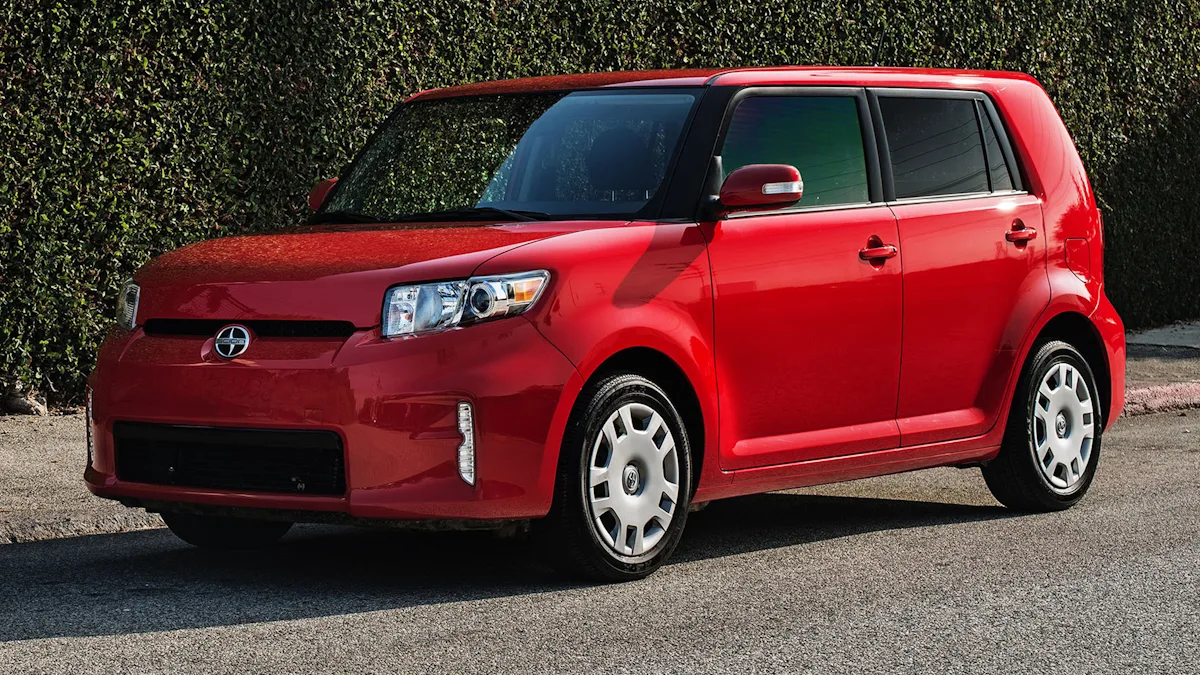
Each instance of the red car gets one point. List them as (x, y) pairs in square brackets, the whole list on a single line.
[(591, 302)]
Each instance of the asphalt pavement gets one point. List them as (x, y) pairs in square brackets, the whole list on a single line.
[(921, 572)]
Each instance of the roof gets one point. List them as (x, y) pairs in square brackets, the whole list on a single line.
[(776, 75)]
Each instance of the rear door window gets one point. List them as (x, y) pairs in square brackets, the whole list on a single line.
[(935, 146), (819, 135)]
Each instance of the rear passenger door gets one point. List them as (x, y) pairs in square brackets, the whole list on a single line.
[(807, 333), (974, 258)]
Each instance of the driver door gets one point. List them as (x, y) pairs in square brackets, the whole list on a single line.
[(808, 334)]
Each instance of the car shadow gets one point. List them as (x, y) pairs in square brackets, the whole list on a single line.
[(774, 520), (148, 581)]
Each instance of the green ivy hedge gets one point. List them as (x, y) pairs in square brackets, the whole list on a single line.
[(128, 128)]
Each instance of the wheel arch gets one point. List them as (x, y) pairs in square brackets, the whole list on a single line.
[(1078, 331), (661, 369)]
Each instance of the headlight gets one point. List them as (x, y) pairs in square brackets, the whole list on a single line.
[(408, 310), (127, 304)]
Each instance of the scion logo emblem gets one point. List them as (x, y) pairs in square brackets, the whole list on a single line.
[(232, 341)]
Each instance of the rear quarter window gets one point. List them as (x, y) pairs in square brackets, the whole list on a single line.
[(1001, 173), (935, 146)]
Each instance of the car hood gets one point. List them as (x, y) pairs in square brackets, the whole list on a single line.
[(335, 273)]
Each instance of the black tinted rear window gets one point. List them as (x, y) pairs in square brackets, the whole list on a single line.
[(935, 146)]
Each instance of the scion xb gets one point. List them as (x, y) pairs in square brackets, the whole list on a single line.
[(589, 303)]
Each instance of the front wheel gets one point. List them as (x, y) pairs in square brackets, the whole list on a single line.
[(1052, 443), (624, 481), (217, 532)]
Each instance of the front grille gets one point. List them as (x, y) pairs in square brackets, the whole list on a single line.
[(262, 327), (250, 460)]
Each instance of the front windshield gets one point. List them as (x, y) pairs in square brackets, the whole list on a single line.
[(583, 154)]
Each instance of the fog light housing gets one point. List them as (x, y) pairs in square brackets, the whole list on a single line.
[(466, 449), (87, 404)]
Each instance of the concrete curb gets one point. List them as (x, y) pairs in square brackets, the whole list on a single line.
[(1183, 334), (1163, 368), (1162, 398), (30, 528)]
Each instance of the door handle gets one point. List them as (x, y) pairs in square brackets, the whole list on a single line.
[(1019, 234), (878, 252)]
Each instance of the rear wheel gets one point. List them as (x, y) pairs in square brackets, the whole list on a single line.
[(624, 482), (1052, 443), (217, 532)]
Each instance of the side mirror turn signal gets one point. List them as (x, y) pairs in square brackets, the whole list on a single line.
[(758, 187)]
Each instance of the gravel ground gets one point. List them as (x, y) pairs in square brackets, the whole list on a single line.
[(913, 573), (41, 458), (1151, 366), (42, 495)]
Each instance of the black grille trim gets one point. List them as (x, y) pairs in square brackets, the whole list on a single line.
[(296, 462), (266, 328)]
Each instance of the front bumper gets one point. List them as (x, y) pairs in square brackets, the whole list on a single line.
[(392, 402)]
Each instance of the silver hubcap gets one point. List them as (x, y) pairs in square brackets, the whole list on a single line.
[(633, 485), (1063, 427)]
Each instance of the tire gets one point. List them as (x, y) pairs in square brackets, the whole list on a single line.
[(226, 534), (615, 530), (1052, 442)]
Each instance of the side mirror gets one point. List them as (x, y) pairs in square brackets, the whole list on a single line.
[(319, 192), (757, 187)]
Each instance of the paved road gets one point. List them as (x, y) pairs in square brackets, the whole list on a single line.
[(922, 572)]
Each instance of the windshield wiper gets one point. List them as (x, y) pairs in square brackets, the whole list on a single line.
[(342, 217), (474, 212)]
